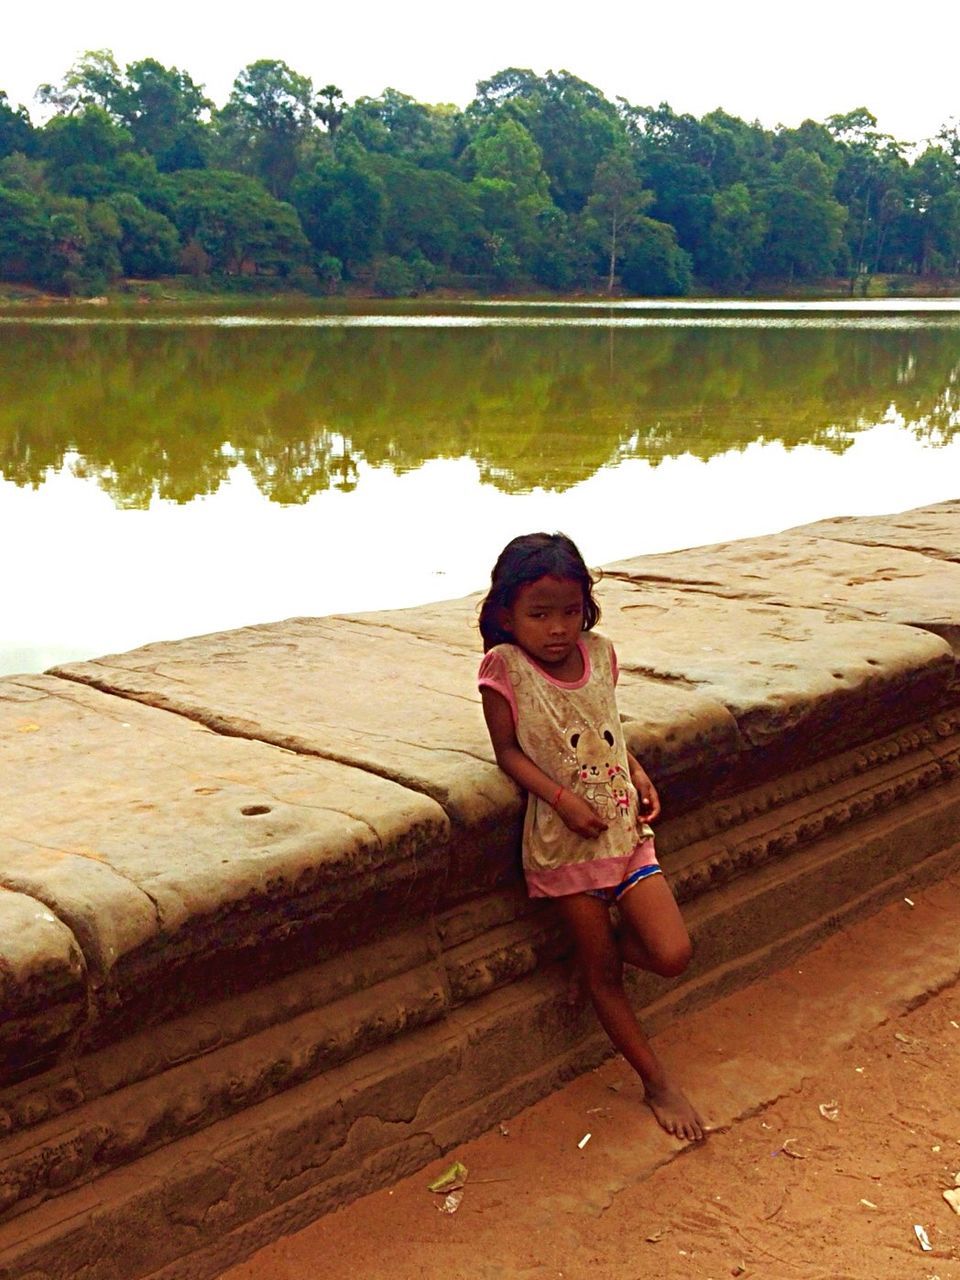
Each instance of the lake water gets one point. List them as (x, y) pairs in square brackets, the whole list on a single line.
[(164, 474)]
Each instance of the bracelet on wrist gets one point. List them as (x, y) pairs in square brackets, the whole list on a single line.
[(556, 799)]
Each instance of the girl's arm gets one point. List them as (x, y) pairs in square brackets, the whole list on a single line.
[(646, 791), (573, 809)]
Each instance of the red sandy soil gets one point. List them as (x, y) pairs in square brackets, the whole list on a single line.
[(870, 1022)]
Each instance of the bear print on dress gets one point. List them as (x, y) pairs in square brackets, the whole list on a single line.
[(600, 778)]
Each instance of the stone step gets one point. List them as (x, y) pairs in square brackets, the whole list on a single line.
[(167, 1160), (809, 847)]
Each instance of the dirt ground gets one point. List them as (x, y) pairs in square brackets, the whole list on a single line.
[(866, 1029)]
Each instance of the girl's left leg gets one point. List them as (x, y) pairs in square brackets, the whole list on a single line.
[(652, 934)]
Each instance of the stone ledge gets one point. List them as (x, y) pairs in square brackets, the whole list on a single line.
[(274, 873), (804, 848), (176, 856), (930, 531), (275, 1165), (846, 581)]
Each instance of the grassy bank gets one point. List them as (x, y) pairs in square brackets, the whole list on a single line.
[(257, 292)]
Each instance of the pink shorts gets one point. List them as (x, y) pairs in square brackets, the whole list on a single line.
[(607, 878)]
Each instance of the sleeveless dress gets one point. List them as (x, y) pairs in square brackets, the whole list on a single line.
[(572, 731)]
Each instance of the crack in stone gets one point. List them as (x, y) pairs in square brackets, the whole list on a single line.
[(634, 579), (90, 857), (665, 677), (318, 808), (931, 553), (226, 729), (94, 974), (374, 834), (153, 670), (447, 750), (471, 755), (63, 696), (452, 645), (460, 697)]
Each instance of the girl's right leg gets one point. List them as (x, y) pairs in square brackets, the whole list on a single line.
[(598, 952)]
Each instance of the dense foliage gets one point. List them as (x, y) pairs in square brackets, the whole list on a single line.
[(540, 181)]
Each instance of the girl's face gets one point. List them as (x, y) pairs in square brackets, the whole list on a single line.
[(546, 619)]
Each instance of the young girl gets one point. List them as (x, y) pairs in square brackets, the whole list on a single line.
[(547, 682)]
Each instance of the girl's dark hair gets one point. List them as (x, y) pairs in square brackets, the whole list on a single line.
[(527, 559)]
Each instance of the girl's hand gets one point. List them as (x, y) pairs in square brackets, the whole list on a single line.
[(579, 816), (647, 799)]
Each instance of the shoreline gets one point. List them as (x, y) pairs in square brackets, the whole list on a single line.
[(170, 292)]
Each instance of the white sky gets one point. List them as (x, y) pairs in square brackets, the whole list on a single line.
[(758, 59)]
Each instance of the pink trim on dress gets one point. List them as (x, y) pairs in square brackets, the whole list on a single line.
[(563, 684), (493, 675), (578, 877)]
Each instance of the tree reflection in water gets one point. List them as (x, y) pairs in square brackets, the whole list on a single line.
[(169, 411)]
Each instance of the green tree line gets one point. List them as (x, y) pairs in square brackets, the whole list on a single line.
[(541, 181)]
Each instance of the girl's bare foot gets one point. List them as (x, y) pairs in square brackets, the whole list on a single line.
[(674, 1112)]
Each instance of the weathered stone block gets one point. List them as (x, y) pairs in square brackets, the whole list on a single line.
[(43, 989), (174, 852)]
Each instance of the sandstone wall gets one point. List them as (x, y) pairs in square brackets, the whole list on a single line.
[(263, 941)]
